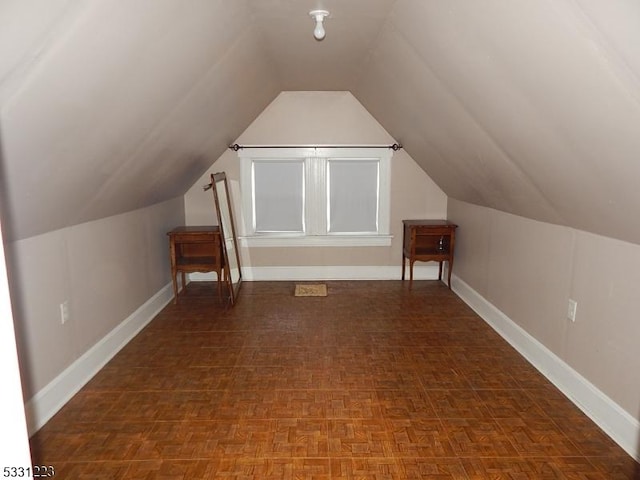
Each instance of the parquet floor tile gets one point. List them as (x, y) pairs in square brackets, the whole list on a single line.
[(94, 470), (170, 470), (365, 469), (422, 438), (542, 468), (458, 404), (553, 402), (478, 437), (509, 403), (371, 382), (162, 378), (359, 438), (538, 436), (433, 468), (590, 441), (273, 469), (442, 375), (405, 404)]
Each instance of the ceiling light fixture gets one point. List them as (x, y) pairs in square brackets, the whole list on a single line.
[(319, 16)]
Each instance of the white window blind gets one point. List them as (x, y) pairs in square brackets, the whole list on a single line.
[(353, 196), (278, 196)]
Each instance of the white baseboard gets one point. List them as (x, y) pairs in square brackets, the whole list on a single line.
[(44, 404), (607, 414), (320, 272)]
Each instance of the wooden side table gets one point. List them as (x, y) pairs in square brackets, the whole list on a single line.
[(428, 241), (195, 249)]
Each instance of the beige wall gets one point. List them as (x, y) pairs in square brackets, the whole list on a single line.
[(323, 118), (105, 269), (529, 270)]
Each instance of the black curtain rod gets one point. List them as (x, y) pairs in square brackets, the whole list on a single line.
[(395, 147)]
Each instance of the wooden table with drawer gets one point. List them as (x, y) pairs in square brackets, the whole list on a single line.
[(195, 249), (428, 241)]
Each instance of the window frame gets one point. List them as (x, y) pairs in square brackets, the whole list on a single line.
[(316, 201)]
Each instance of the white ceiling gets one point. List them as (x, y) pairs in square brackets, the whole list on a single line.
[(337, 62), (527, 106)]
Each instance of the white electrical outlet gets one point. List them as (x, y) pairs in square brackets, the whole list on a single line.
[(571, 310), (64, 312)]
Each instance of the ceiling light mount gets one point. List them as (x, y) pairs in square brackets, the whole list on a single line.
[(319, 16)]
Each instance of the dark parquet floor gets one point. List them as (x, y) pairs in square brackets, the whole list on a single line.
[(371, 382)]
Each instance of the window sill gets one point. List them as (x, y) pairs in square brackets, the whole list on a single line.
[(316, 241)]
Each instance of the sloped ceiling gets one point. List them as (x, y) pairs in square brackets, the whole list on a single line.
[(527, 106)]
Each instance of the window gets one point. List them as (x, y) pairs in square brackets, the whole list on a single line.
[(315, 196)]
